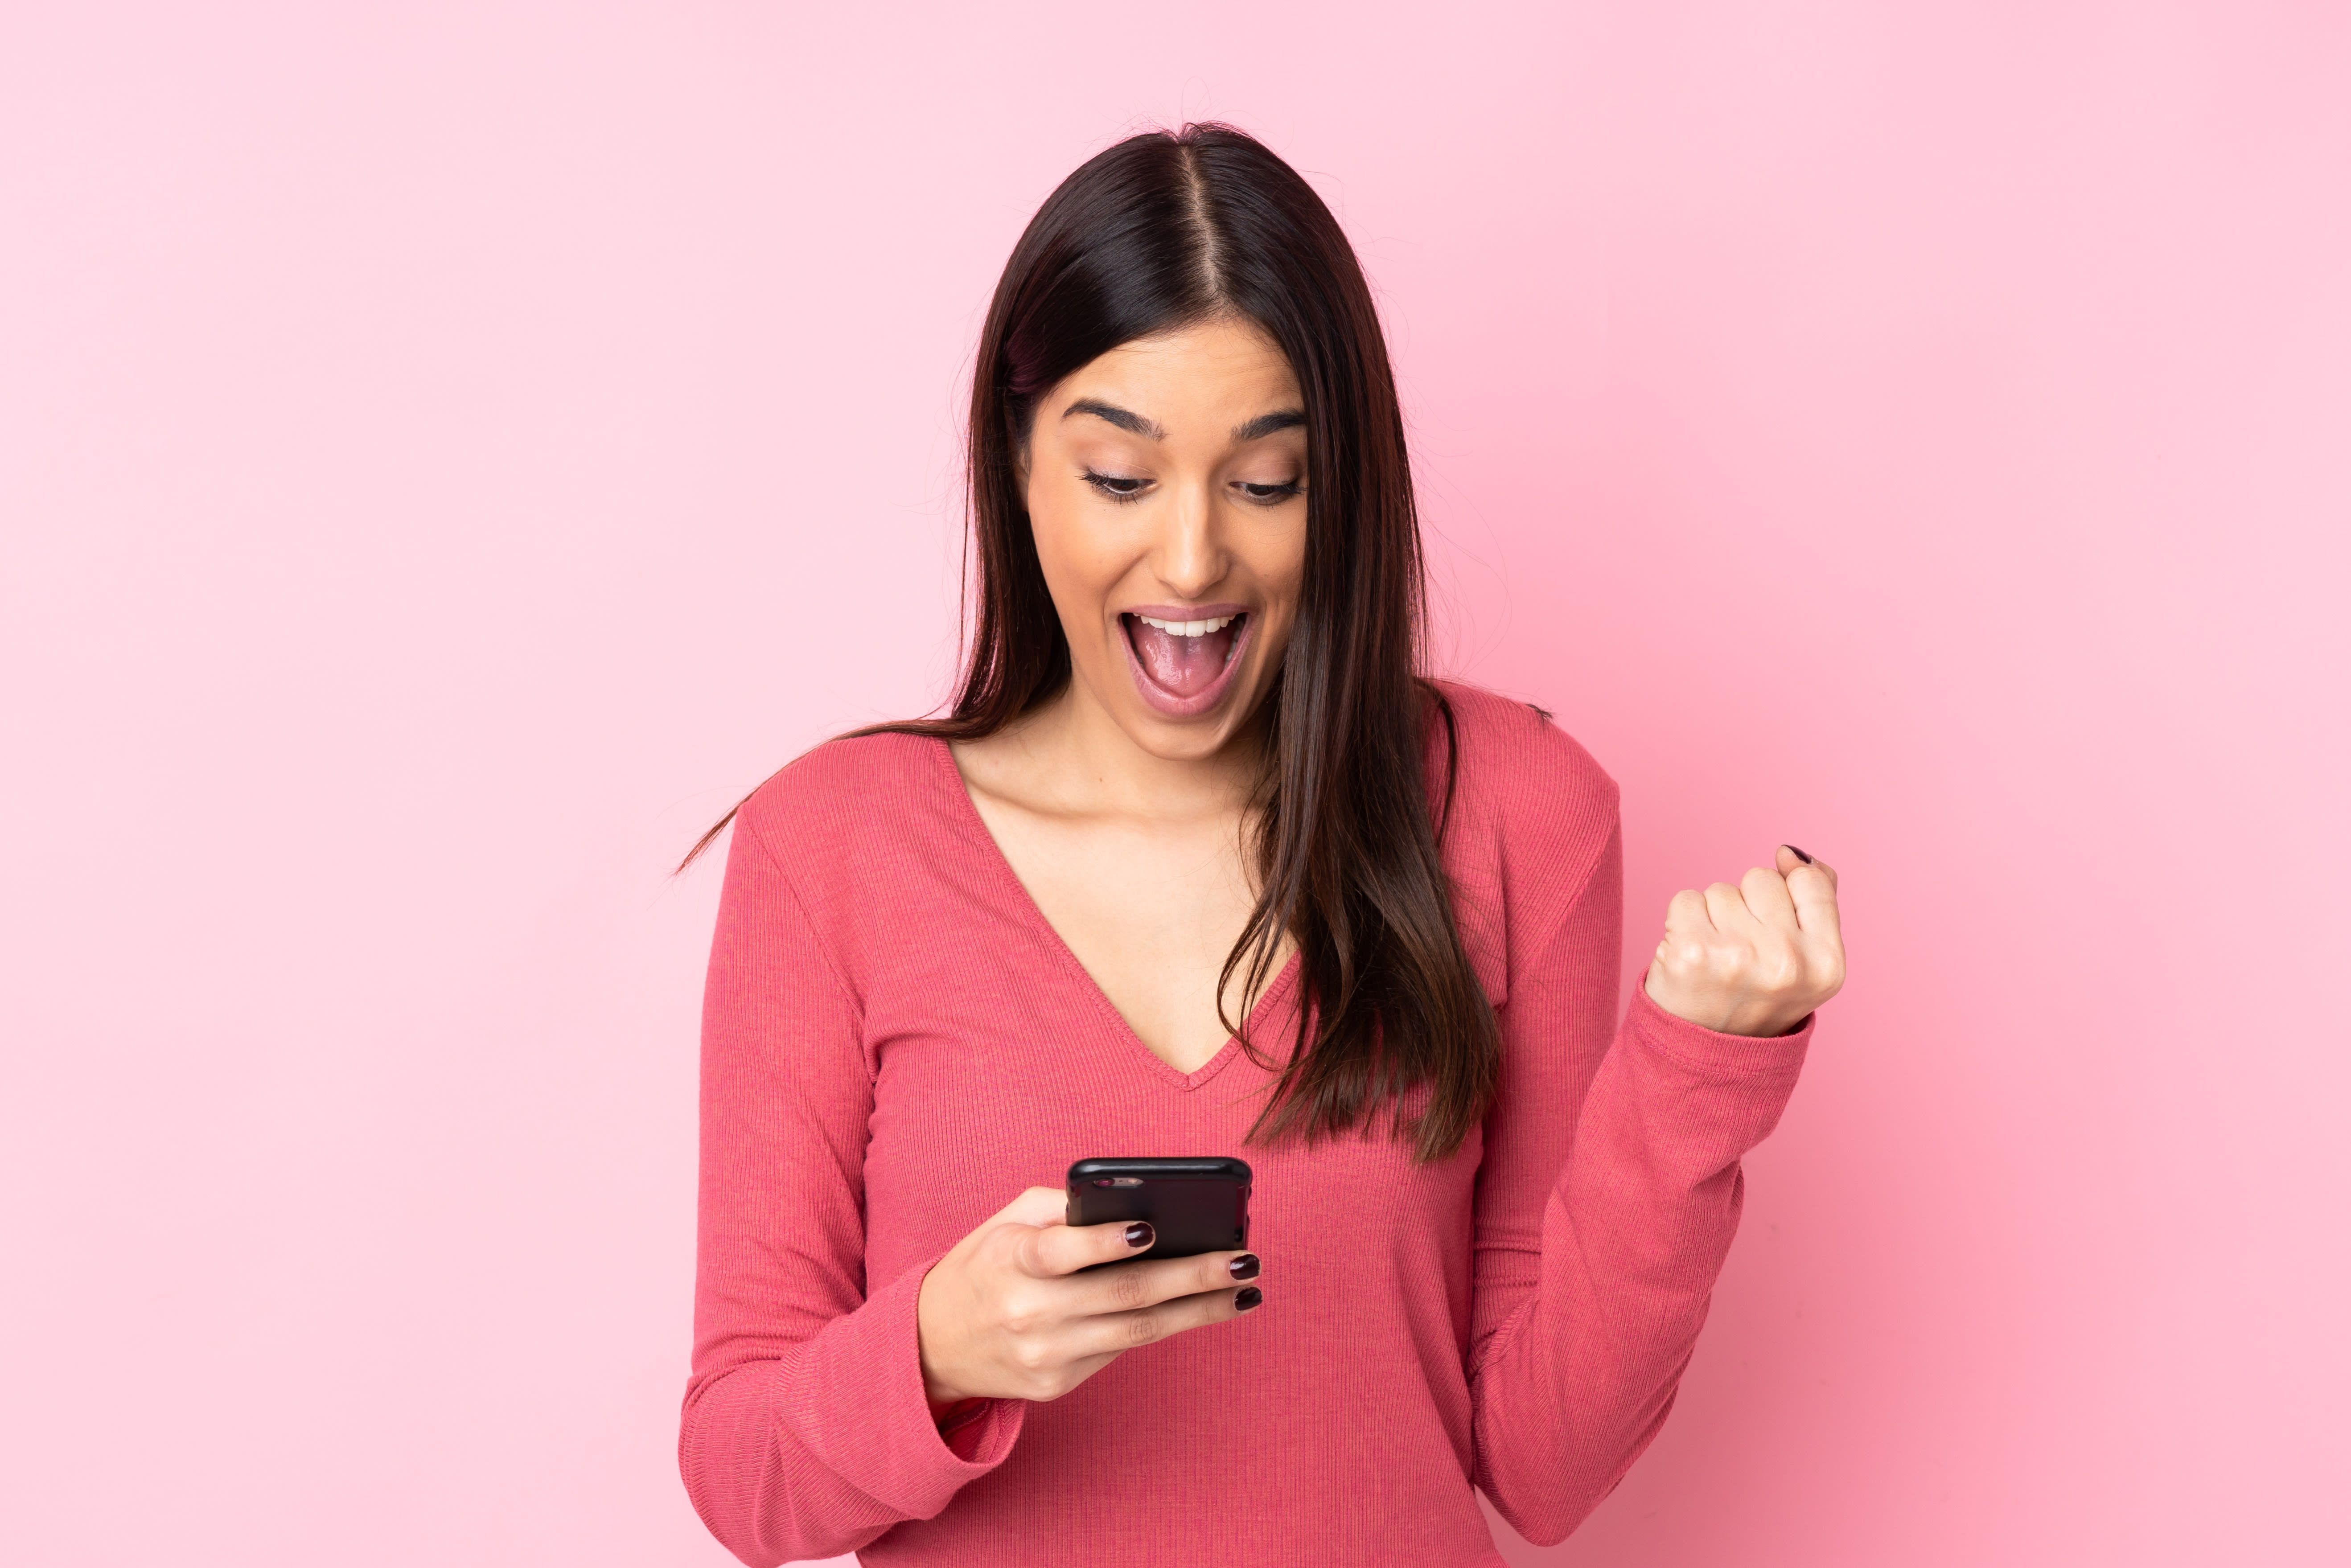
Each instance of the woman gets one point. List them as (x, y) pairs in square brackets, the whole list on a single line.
[(1200, 865)]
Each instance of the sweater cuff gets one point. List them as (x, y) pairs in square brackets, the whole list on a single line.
[(1712, 1052), (859, 1407)]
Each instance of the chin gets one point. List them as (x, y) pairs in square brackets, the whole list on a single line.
[(1177, 741)]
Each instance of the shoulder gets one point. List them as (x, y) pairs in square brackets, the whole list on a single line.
[(853, 832), (1533, 823), (1520, 770), (832, 801)]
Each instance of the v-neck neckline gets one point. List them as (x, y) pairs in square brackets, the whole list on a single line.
[(1000, 867)]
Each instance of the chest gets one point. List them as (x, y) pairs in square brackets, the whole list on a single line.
[(997, 1073), (1149, 913)]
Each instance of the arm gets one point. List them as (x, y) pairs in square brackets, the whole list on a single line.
[(805, 1432), (1612, 1194)]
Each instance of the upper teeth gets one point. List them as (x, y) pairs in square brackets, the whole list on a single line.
[(1190, 628)]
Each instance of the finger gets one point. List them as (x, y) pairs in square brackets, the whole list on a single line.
[(1813, 889), (1686, 915), (1688, 928), (1727, 907), (1036, 1206), (1076, 1372), (1767, 896), (1064, 1249), (1131, 1286), (1790, 857), (1112, 1331)]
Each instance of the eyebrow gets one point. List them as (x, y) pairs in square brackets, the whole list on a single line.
[(1121, 418), (1127, 419), (1267, 424)]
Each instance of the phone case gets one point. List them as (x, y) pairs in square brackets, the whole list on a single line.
[(1196, 1205)]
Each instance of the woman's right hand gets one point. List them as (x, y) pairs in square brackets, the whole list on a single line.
[(1007, 1315)]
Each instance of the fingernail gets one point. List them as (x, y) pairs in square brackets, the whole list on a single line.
[(1140, 1234), (1245, 1267), (1798, 853), (1246, 1298)]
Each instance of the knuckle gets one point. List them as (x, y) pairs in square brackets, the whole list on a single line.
[(1031, 1358), (1129, 1289), (1143, 1328)]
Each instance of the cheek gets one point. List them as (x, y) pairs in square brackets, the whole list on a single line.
[(1078, 571), (1279, 564), (1061, 544)]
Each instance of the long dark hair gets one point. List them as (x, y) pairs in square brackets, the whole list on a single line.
[(1163, 231)]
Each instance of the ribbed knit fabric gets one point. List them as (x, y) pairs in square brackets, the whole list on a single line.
[(896, 1042)]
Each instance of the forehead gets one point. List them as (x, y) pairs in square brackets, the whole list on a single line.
[(1217, 372)]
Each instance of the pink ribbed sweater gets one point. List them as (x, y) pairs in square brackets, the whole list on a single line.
[(895, 1043)]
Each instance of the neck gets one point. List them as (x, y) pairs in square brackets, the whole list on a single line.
[(1098, 768)]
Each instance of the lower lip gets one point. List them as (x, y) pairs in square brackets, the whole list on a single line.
[(1202, 701)]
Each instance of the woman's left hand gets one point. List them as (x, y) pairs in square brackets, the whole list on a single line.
[(1756, 958)]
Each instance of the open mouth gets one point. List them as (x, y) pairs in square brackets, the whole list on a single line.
[(1182, 666)]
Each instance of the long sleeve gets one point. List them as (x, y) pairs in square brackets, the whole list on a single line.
[(805, 1433), (895, 1042), (1611, 1192)]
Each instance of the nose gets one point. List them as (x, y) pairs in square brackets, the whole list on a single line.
[(1187, 555)]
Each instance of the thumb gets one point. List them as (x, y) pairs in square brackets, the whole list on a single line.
[(1038, 1206), (1790, 858), (1812, 886)]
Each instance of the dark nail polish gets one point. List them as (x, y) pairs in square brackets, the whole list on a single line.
[(1245, 1267), (1246, 1298), (1140, 1234), (1798, 853)]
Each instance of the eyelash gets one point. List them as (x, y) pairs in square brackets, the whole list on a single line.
[(1103, 483), (1274, 493)]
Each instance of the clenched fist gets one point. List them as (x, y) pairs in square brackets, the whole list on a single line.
[(1756, 958)]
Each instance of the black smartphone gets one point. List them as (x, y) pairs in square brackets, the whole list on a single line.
[(1196, 1206)]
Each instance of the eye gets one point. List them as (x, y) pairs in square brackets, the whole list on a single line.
[(1117, 487), (1270, 495)]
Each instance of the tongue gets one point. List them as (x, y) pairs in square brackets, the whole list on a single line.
[(1185, 667)]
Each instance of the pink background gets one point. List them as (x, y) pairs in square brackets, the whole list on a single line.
[(449, 451)]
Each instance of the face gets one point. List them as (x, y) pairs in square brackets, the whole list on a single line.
[(1166, 487)]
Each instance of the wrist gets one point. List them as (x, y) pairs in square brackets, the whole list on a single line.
[(1747, 1019), (937, 1393)]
